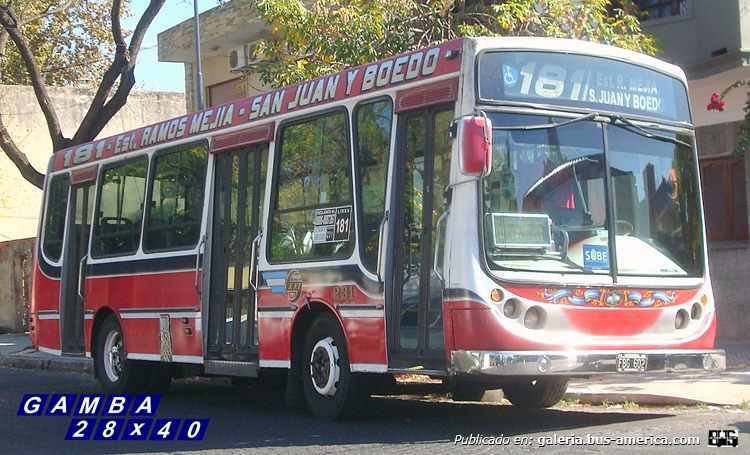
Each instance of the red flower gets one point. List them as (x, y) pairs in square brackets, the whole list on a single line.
[(716, 103)]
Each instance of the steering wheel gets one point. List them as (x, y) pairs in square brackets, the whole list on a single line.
[(623, 227)]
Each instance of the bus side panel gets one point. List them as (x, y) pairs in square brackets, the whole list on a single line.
[(361, 315), (45, 296), (144, 298), (364, 330), (274, 327), (366, 341), (274, 334)]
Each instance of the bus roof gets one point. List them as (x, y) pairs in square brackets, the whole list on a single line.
[(426, 64)]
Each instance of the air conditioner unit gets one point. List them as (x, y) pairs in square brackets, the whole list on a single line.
[(237, 59), (248, 54)]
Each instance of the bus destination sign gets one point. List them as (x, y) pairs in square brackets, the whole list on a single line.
[(521, 231), (581, 81)]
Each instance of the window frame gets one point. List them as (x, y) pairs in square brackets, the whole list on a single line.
[(357, 182), (98, 201), (46, 220), (647, 21), (274, 197), (730, 235), (149, 195)]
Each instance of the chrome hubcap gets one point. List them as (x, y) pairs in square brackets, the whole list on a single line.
[(113, 356)]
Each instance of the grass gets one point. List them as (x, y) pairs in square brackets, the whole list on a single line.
[(569, 402), (630, 405)]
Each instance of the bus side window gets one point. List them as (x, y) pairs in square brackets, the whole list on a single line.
[(54, 218), (312, 216), (176, 202), (117, 229), (373, 139)]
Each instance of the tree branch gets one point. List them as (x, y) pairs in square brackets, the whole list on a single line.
[(46, 13), (19, 158), (9, 21), (102, 110)]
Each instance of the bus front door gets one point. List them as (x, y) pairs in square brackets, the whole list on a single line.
[(73, 279), (234, 241), (422, 172)]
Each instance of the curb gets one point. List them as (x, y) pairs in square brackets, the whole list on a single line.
[(641, 399), (23, 361)]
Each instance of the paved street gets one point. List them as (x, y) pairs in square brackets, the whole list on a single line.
[(247, 420)]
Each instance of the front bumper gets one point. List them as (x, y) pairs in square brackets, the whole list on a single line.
[(585, 363)]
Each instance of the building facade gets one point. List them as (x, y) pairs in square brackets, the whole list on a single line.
[(226, 33), (709, 39)]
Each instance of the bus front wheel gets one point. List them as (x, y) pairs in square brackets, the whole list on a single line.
[(537, 393), (332, 391), (115, 372), (467, 391)]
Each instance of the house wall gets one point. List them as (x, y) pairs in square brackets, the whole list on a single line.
[(20, 201), (707, 28), (15, 270), (728, 261)]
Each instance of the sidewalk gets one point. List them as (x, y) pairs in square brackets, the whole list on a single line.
[(728, 388), (16, 351)]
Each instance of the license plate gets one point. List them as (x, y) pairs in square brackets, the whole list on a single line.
[(631, 363)]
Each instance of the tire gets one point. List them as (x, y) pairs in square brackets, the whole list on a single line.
[(115, 372), (467, 391), (332, 391), (537, 393)]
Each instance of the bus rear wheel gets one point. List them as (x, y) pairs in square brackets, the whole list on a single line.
[(115, 372), (332, 391), (537, 393)]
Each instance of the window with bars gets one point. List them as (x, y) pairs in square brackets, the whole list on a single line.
[(227, 91), (657, 9)]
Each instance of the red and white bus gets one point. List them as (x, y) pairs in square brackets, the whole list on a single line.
[(495, 212)]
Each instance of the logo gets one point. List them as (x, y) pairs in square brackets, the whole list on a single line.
[(114, 417), (723, 438), (614, 298), (287, 283), (510, 75), (293, 285)]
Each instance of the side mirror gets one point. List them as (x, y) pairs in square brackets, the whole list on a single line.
[(475, 151)]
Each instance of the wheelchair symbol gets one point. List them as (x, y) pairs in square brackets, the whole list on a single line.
[(510, 75)]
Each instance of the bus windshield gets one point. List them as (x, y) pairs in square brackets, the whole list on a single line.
[(547, 206)]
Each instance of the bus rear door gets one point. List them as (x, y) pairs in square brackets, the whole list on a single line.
[(235, 235), (73, 284)]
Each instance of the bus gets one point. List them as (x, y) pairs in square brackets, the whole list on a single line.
[(491, 212)]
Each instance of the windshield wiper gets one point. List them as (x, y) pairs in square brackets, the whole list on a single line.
[(646, 133), (546, 126)]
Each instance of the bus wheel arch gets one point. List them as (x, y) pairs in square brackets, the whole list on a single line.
[(115, 372), (321, 360), (294, 393), (96, 327)]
